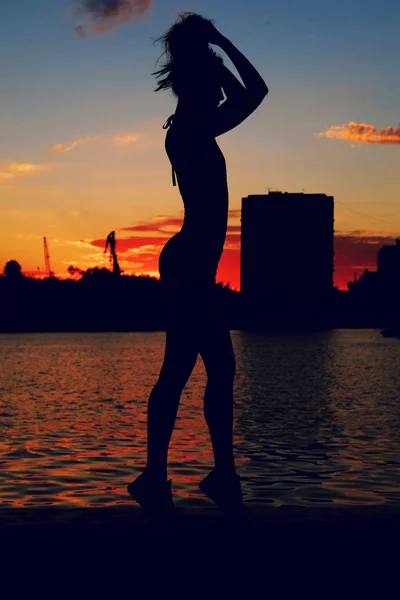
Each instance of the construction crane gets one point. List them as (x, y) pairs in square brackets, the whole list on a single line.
[(49, 272), (113, 253)]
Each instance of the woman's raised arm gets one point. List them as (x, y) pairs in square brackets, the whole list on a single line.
[(242, 100)]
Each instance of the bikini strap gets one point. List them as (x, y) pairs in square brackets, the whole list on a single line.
[(168, 122), (167, 125)]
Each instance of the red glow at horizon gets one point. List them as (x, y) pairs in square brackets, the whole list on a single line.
[(354, 252), (138, 252)]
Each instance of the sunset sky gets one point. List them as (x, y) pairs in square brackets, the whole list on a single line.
[(82, 146)]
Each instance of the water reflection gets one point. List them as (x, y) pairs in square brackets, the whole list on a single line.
[(314, 429), (284, 413), (317, 418), (366, 417)]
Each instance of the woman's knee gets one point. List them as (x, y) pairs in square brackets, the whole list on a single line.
[(171, 384)]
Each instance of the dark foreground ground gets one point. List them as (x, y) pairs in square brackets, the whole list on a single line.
[(293, 547)]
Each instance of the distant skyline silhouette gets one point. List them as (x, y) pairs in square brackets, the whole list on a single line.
[(73, 304), (355, 252)]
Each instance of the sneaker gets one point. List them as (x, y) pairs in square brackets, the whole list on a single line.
[(155, 497), (224, 491)]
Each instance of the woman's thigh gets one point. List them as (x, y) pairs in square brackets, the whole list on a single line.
[(180, 357), (182, 340), (196, 321)]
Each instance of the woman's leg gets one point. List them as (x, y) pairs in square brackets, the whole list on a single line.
[(181, 352), (219, 360)]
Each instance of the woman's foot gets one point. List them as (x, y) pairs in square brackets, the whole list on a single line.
[(153, 495), (224, 490)]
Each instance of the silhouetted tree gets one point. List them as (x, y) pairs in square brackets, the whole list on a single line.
[(75, 271), (12, 269), (97, 274)]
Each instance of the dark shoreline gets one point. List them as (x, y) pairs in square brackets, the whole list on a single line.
[(162, 330), (121, 521), (289, 548), (331, 514)]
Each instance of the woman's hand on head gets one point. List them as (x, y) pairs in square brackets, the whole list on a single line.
[(213, 35)]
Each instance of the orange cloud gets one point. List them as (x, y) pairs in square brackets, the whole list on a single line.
[(362, 133), (103, 15), (71, 146), (22, 168), (125, 139), (14, 170), (162, 224)]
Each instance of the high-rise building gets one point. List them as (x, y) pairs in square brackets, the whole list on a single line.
[(287, 247), (389, 262)]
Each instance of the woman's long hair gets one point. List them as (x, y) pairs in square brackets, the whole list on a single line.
[(188, 59)]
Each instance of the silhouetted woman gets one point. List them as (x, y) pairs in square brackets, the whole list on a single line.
[(188, 262)]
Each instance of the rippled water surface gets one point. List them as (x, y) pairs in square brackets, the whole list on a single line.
[(317, 418)]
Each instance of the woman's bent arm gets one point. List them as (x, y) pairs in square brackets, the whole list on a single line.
[(253, 82), (241, 100)]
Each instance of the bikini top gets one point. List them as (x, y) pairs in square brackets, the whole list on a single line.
[(167, 125)]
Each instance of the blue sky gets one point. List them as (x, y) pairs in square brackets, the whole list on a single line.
[(50, 75), (326, 64)]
